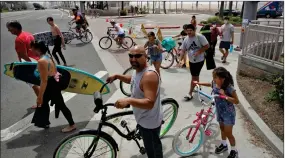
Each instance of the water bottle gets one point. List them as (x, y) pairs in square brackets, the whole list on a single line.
[(231, 48)]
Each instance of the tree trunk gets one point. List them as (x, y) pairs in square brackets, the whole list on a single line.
[(164, 7), (241, 14), (153, 7), (197, 5), (221, 14), (230, 8), (122, 5)]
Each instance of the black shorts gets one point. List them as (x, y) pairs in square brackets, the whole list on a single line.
[(225, 45), (195, 68)]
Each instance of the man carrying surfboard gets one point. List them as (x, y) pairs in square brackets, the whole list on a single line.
[(145, 100), (22, 46), (58, 40)]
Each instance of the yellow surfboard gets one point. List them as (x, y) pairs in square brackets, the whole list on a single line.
[(75, 80)]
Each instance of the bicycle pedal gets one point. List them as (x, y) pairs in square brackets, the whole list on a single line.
[(142, 150), (124, 123)]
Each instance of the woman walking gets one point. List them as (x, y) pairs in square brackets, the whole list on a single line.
[(58, 41), (50, 89), (154, 50)]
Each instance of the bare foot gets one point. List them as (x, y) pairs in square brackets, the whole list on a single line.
[(68, 129), (34, 106)]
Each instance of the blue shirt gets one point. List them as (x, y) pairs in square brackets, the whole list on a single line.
[(222, 105)]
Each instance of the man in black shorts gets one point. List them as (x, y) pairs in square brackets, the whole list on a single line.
[(195, 45), (227, 38)]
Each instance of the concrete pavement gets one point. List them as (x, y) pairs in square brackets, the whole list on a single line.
[(18, 137), (171, 79)]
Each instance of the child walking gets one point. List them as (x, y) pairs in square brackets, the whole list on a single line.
[(223, 84)]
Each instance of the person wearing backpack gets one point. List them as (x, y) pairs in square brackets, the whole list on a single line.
[(195, 45)]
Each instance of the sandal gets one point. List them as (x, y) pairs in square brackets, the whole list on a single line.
[(68, 129), (188, 97)]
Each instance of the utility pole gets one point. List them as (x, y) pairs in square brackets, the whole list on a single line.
[(249, 13), (176, 7), (181, 6)]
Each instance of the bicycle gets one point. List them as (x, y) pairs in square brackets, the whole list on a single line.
[(85, 34), (204, 118), (98, 136), (94, 14), (127, 40)]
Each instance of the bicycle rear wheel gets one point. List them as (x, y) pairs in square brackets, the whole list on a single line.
[(87, 37), (191, 148), (128, 41), (78, 144), (167, 59), (105, 42)]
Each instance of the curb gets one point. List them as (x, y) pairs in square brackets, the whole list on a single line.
[(162, 27), (127, 17), (270, 138), (220, 25)]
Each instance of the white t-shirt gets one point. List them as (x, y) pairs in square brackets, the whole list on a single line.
[(192, 44), (120, 30)]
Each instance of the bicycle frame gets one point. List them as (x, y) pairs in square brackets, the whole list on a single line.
[(202, 116), (103, 122)]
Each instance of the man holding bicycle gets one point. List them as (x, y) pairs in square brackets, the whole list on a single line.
[(145, 100)]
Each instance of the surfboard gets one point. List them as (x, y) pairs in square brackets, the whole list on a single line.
[(48, 39), (75, 80)]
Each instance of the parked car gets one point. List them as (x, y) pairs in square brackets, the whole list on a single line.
[(227, 11), (271, 9)]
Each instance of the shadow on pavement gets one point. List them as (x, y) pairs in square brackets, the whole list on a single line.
[(77, 44), (117, 51), (45, 140), (29, 111)]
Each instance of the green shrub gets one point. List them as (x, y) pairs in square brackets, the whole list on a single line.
[(123, 12), (278, 92), (219, 21)]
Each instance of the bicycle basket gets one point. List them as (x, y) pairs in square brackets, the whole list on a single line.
[(168, 43)]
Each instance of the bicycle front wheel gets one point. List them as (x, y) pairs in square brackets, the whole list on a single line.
[(105, 42), (128, 41), (181, 145), (124, 87), (87, 37), (77, 144), (167, 59), (170, 112)]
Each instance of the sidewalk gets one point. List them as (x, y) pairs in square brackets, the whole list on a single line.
[(175, 84)]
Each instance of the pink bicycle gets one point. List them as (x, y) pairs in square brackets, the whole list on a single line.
[(198, 130)]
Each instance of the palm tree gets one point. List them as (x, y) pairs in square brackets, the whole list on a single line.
[(230, 8), (221, 14)]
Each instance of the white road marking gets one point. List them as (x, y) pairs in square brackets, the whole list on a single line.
[(25, 123), (41, 17), (24, 17)]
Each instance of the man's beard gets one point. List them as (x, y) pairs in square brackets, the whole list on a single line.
[(135, 64)]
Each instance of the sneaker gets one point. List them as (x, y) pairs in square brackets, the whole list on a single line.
[(188, 97), (221, 149), (233, 154)]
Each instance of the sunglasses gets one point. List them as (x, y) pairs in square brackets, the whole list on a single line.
[(135, 55)]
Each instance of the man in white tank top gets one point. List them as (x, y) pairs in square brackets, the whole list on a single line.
[(145, 100)]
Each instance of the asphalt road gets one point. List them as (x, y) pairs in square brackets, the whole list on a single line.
[(17, 97)]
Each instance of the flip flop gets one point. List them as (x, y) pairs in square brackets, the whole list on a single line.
[(188, 97), (65, 130)]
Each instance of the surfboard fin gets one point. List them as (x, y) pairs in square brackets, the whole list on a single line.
[(11, 66)]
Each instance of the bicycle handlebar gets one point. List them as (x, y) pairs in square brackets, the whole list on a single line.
[(210, 97)]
